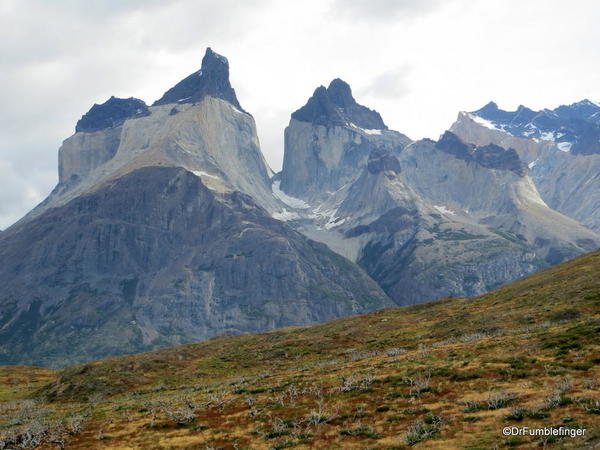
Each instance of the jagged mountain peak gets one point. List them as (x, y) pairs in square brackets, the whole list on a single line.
[(489, 106), (492, 112), (335, 106), (111, 113), (574, 128), (211, 80), (588, 102), (340, 93)]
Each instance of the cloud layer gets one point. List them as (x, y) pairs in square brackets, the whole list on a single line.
[(416, 62)]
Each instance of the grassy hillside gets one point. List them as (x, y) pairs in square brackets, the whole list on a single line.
[(447, 374)]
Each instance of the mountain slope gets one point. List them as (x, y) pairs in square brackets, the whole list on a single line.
[(156, 258), (447, 374)]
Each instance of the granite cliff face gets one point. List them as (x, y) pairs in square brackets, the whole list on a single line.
[(425, 219), (329, 139), (160, 232), (561, 147)]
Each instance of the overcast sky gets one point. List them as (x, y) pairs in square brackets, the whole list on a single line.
[(416, 62)]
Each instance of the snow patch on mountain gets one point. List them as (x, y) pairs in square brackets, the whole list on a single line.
[(486, 123), (444, 210), (547, 136), (200, 174), (564, 146), (366, 130), (292, 202), (285, 215)]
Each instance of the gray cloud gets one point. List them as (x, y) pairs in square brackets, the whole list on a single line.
[(389, 85), (385, 10)]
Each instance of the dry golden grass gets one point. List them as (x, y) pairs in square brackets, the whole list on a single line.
[(526, 354)]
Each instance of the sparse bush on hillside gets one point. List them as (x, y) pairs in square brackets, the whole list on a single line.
[(360, 431), (494, 400), (499, 399), (555, 399), (354, 382), (432, 419), (360, 355), (564, 386), (180, 410), (423, 352), (518, 414), (26, 410), (590, 384), (473, 337), (34, 434), (179, 414), (320, 415), (394, 351), (419, 431), (591, 406), (217, 400), (471, 406), (557, 395), (74, 424), (292, 394), (327, 364), (419, 383), (95, 398), (313, 391)]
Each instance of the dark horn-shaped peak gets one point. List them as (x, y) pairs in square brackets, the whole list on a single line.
[(211, 80), (335, 105)]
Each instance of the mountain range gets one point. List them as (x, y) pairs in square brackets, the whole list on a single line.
[(167, 226)]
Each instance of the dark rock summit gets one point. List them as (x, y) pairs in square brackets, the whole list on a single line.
[(381, 160), (211, 80), (335, 105), (489, 156), (452, 144), (111, 113), (495, 157)]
